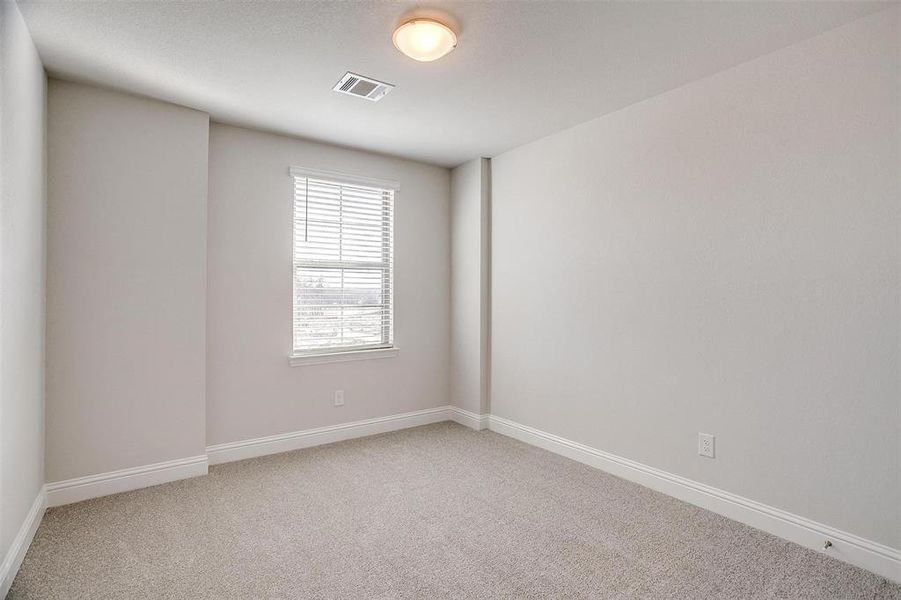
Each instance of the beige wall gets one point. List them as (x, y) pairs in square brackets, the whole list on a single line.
[(251, 389), (135, 319), (722, 258), (470, 228), (126, 280), (23, 93)]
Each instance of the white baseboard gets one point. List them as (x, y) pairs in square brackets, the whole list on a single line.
[(16, 553), (114, 482), (124, 480), (295, 440), (847, 547), (469, 418)]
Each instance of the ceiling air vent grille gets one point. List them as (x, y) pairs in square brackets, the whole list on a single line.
[(362, 87)]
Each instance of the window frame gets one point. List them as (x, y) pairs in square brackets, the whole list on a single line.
[(388, 346)]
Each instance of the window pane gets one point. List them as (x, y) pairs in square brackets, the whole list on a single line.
[(342, 266), (339, 307)]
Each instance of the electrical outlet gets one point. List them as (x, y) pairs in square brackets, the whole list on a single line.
[(706, 445), (339, 397)]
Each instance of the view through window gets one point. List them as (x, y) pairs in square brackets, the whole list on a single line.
[(343, 265)]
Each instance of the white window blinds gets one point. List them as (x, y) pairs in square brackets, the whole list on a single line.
[(343, 264)]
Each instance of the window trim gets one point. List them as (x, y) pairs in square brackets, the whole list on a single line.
[(338, 355), (299, 360), (337, 177)]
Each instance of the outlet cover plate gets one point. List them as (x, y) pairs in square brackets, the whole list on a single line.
[(706, 445)]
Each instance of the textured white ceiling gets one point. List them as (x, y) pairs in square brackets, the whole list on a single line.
[(522, 70)]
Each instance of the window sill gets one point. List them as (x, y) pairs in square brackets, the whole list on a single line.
[(319, 359)]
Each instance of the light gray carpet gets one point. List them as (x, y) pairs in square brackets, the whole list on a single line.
[(433, 512)]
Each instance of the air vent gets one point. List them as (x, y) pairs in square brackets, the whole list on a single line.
[(362, 87)]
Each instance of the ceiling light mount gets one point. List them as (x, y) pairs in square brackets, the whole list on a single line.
[(424, 39)]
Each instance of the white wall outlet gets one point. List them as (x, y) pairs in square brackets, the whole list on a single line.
[(706, 445), (339, 397)]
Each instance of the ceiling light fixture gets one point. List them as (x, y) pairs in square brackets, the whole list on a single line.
[(424, 40)]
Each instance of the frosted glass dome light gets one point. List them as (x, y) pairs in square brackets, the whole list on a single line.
[(424, 40)]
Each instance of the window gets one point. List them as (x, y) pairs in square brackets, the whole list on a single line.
[(343, 264)]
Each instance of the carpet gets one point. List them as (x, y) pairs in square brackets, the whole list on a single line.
[(438, 511)]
